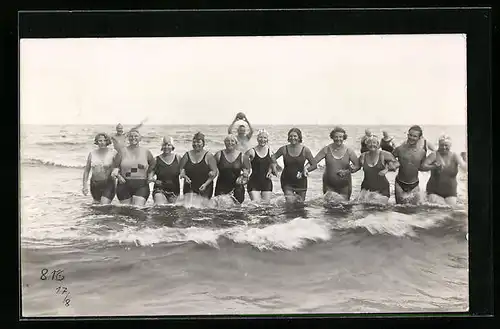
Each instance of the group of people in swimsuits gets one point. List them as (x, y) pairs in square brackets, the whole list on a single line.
[(126, 171)]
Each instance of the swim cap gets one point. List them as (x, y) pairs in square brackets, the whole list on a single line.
[(444, 138), (262, 132), (167, 140)]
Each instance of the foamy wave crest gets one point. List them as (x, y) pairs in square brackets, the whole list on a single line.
[(291, 235), (47, 163), (395, 224), (65, 143)]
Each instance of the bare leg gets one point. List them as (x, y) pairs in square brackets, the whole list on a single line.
[(266, 196), (255, 195), (159, 199), (301, 196), (403, 197), (451, 200), (105, 200), (138, 200), (436, 199), (126, 201), (289, 196)]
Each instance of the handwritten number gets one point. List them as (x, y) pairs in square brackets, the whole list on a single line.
[(66, 302), (44, 274), (60, 276)]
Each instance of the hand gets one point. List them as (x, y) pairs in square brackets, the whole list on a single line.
[(383, 172), (121, 180), (438, 165), (342, 173), (85, 190), (299, 175), (305, 173), (151, 180), (186, 179), (203, 187), (158, 182), (269, 174)]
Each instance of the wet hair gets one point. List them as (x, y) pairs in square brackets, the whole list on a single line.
[(199, 136), (444, 138), (168, 140), (416, 128), (262, 132), (231, 137), (134, 130), (338, 130), (372, 138), (297, 131), (96, 138)]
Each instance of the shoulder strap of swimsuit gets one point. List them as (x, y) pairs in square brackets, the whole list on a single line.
[(286, 149), (189, 157), (425, 145), (206, 155)]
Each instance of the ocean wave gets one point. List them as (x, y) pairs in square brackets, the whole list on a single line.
[(47, 163), (65, 143)]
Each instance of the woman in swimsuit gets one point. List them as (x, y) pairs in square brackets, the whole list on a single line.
[(376, 163), (134, 167), (198, 169), (294, 175), (167, 171), (260, 185), (100, 162), (443, 164), (338, 159), (233, 168)]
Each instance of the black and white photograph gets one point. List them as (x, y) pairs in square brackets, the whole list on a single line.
[(232, 175)]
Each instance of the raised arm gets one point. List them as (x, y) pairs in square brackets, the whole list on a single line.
[(86, 173), (139, 125), (250, 133), (429, 163), (231, 126)]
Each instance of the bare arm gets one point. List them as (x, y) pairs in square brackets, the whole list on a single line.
[(182, 163), (274, 157), (390, 160), (354, 160), (461, 163), (431, 146), (231, 126), (250, 154), (429, 162), (313, 164), (361, 161), (250, 133), (320, 156), (212, 164), (151, 165), (217, 157), (246, 166), (86, 173)]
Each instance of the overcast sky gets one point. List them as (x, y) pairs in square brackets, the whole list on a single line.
[(419, 79)]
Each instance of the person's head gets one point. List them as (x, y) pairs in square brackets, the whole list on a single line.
[(167, 145), (230, 141), (102, 140), (294, 136), (368, 132), (372, 143), (134, 137), (338, 135), (242, 130), (414, 134), (444, 143), (119, 129), (262, 137), (198, 141), (385, 133)]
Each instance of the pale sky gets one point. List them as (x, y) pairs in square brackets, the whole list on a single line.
[(401, 79)]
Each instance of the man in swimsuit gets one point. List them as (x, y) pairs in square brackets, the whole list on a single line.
[(410, 155), (119, 138), (243, 136)]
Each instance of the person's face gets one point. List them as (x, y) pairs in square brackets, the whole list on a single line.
[(262, 139), (197, 144), (167, 148), (101, 142), (413, 137), (368, 132), (134, 138), (230, 144), (372, 145), (338, 138), (242, 130), (444, 146), (119, 129), (293, 138)]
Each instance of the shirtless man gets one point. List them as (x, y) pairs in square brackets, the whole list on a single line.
[(119, 138), (410, 155), (242, 135)]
